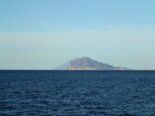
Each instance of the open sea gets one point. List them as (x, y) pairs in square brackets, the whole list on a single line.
[(77, 93)]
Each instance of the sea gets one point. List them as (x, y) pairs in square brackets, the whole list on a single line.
[(77, 93)]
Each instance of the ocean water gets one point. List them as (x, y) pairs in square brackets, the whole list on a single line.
[(77, 93)]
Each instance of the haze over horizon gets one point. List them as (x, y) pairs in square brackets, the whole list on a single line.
[(37, 34)]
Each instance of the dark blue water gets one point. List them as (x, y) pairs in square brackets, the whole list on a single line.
[(85, 93)]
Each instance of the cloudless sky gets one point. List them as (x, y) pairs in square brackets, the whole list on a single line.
[(43, 34)]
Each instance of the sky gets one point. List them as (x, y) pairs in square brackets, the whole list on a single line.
[(43, 34)]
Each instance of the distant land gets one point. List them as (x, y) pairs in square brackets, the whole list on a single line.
[(86, 63)]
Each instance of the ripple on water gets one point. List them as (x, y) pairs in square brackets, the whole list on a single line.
[(80, 94)]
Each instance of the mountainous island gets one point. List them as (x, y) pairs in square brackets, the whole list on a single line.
[(86, 63)]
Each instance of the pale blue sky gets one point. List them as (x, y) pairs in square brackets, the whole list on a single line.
[(42, 34)]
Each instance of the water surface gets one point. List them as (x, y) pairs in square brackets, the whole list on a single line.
[(77, 93)]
